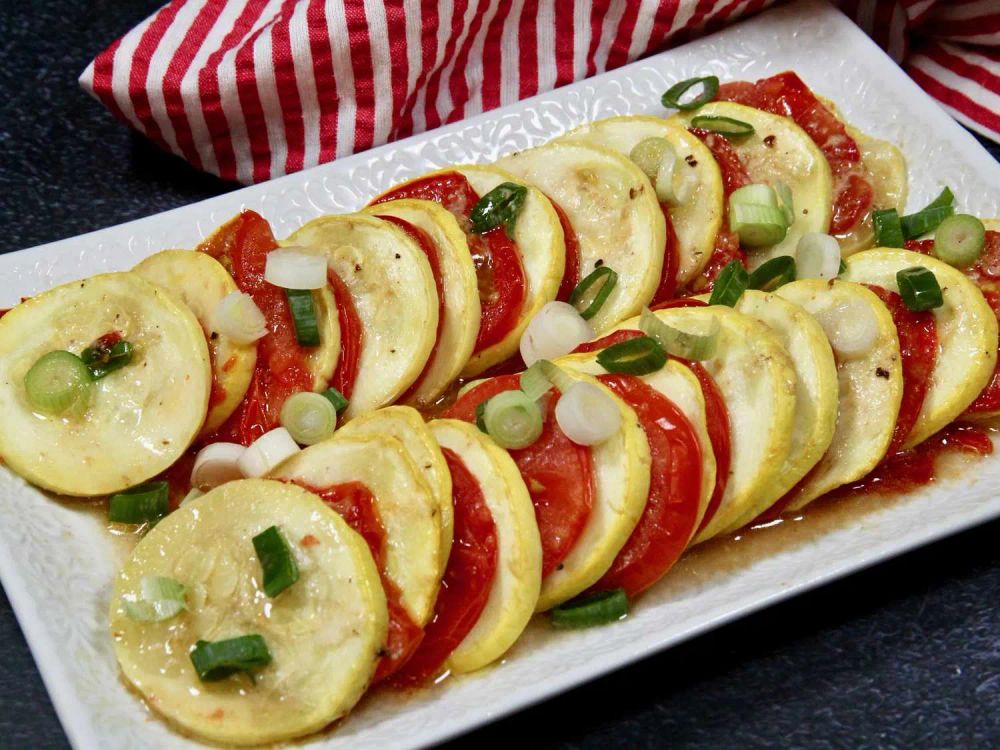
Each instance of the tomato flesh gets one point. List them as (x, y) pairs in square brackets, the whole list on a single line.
[(496, 257), (352, 336), (468, 578), (571, 274), (671, 513), (671, 261), (557, 472), (354, 502), (242, 245), (427, 246), (986, 274)]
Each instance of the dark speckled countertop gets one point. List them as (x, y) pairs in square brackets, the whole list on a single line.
[(906, 655)]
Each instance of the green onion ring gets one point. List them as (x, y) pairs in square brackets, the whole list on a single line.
[(638, 356), (610, 279), (772, 274), (729, 285), (671, 99), (587, 611)]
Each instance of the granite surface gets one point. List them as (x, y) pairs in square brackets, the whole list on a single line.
[(906, 655)]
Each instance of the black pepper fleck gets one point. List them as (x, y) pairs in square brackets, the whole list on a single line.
[(691, 160), (769, 141), (598, 263), (882, 372)]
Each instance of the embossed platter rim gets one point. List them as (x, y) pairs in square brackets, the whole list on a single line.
[(43, 543)]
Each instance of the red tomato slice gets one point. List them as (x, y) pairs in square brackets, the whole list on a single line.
[(242, 245), (557, 471), (734, 174), (671, 511), (986, 273), (571, 276), (671, 261), (352, 336), (356, 505), (716, 413), (465, 587), (918, 343), (497, 258), (427, 245), (853, 202)]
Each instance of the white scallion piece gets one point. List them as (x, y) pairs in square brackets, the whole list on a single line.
[(266, 452), (215, 464), (851, 328), (160, 599), (291, 269), (556, 329), (587, 415), (238, 317), (817, 256)]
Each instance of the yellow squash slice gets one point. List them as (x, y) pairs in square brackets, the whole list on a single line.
[(141, 418), (393, 291), (324, 632), (516, 584), (871, 388)]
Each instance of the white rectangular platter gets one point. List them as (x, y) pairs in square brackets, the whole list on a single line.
[(57, 561)]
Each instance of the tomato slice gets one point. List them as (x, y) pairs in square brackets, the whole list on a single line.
[(571, 276), (671, 261), (716, 413), (734, 174), (557, 472), (468, 578), (427, 245), (352, 336), (986, 274), (355, 503), (671, 511), (918, 342), (786, 94), (242, 245), (496, 257)]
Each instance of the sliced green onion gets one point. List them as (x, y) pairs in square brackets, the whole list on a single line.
[(608, 279), (638, 356), (648, 155), (102, 357), (945, 198), (481, 416), (216, 660), (58, 381), (924, 221), (336, 398), (562, 380), (817, 256), (587, 414), (160, 599), (513, 419), (309, 417), (757, 194), (726, 126), (276, 561), (757, 226), (842, 269), (534, 382), (466, 387), (555, 330), (671, 99), (300, 301), (692, 346), (595, 609), (501, 205), (787, 204), (729, 285), (672, 187), (888, 229), (772, 274), (145, 503), (960, 240), (919, 288)]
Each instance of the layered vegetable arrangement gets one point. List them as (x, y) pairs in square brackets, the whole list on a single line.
[(369, 453)]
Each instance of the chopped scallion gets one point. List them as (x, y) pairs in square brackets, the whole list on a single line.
[(726, 126), (501, 206), (919, 288), (587, 611), (638, 356), (772, 274), (924, 221), (729, 285), (160, 598), (144, 503), (671, 99), (960, 240), (276, 561), (607, 278), (216, 660), (309, 417), (692, 346), (513, 419), (57, 382), (888, 228), (300, 301), (106, 355)]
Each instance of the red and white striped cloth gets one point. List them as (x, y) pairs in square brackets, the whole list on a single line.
[(253, 89)]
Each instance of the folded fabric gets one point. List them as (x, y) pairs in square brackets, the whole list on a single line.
[(253, 89)]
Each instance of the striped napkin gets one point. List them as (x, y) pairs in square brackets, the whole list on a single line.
[(253, 89)]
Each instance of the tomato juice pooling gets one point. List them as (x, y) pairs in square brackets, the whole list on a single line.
[(557, 472), (467, 581), (787, 95), (242, 245), (356, 505), (499, 271)]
